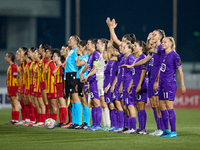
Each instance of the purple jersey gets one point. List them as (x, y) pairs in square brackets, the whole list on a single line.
[(113, 71), (107, 74), (136, 71), (120, 69), (171, 61), (93, 57), (155, 62), (127, 75)]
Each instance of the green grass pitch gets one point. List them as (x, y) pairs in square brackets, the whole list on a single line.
[(40, 138)]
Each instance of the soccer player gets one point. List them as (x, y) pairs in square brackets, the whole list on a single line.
[(59, 86), (30, 111), (70, 82), (50, 84), (167, 91), (101, 46), (139, 86), (41, 109), (91, 78), (12, 87), (43, 65), (81, 61), (32, 66), (64, 52)]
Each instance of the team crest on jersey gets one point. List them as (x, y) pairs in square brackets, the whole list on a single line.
[(163, 60), (179, 62)]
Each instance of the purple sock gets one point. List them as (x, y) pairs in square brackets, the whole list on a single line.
[(124, 121), (98, 115), (165, 118), (113, 117), (159, 123), (120, 118), (139, 119), (172, 119), (94, 116), (162, 124), (143, 116), (133, 122), (127, 123), (155, 116)]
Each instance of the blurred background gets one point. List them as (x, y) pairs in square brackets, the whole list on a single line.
[(32, 22)]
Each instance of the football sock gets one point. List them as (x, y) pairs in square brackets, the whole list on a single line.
[(64, 114), (133, 122), (43, 117), (143, 116), (103, 117), (98, 115), (73, 114), (127, 123), (165, 118), (94, 116), (172, 119), (120, 118), (17, 116), (60, 115), (107, 116), (22, 109), (36, 114), (78, 113), (47, 111), (31, 112), (155, 116)]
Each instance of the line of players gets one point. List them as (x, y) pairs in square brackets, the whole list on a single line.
[(117, 87)]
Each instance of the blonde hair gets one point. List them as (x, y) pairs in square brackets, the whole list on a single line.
[(173, 47)]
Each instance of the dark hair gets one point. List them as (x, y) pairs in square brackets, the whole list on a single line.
[(93, 41), (12, 56), (162, 33), (33, 49), (26, 53), (24, 49), (130, 37), (105, 41), (57, 53), (83, 43), (76, 38), (46, 46), (56, 49), (142, 43)]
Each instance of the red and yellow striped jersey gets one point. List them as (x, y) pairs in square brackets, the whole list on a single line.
[(23, 67), (27, 75), (19, 70), (50, 85), (12, 76), (43, 64), (58, 74), (36, 79), (31, 72)]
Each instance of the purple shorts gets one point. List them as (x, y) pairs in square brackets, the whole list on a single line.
[(151, 92), (127, 98), (140, 97), (94, 89), (108, 97), (167, 91)]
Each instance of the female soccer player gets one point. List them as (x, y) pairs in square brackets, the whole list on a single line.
[(27, 90), (12, 87), (41, 109), (59, 86), (91, 78), (65, 49), (81, 61), (50, 84), (43, 65), (167, 90)]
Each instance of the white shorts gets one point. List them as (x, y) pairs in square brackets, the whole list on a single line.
[(100, 87)]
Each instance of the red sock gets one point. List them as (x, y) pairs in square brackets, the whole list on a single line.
[(64, 114), (35, 112), (16, 115), (13, 115), (39, 117), (31, 112), (69, 115), (54, 116), (22, 109), (26, 110), (43, 117), (47, 111), (60, 115)]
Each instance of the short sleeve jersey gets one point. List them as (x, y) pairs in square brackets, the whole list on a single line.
[(113, 71), (12, 74), (50, 83), (31, 72), (93, 57), (43, 65), (27, 75), (70, 65), (107, 74), (171, 61), (85, 59), (136, 71), (36, 80), (127, 75), (58, 74)]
